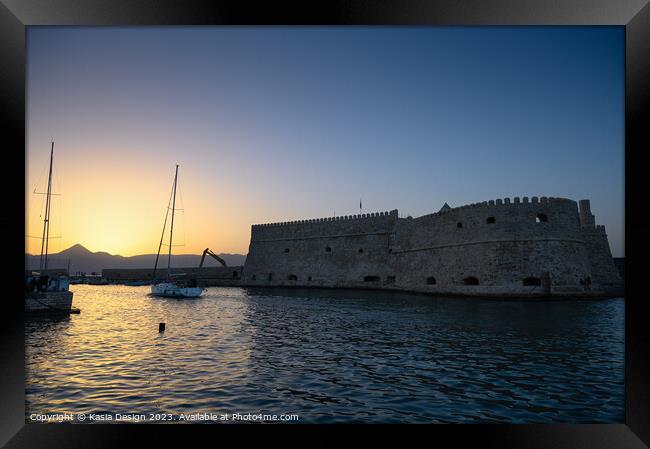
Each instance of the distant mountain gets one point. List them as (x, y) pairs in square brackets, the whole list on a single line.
[(81, 259)]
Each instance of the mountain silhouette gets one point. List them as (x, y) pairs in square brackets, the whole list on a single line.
[(81, 259), (76, 250)]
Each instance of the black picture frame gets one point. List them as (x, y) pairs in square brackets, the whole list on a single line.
[(16, 15)]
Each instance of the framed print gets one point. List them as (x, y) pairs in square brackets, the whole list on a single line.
[(421, 219)]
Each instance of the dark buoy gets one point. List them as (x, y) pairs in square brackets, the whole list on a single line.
[(161, 327)]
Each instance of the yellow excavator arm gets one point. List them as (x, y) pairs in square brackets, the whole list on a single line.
[(213, 255)]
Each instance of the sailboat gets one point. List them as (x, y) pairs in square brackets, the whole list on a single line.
[(170, 288), (47, 290)]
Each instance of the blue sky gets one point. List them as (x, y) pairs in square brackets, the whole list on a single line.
[(276, 123)]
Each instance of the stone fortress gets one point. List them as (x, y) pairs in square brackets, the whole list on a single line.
[(520, 248)]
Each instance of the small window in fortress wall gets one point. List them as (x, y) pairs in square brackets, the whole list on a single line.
[(531, 281), (490, 220), (541, 218), (470, 281), (253, 278), (371, 279), (431, 280), (286, 250), (270, 276), (309, 278), (292, 277), (459, 225), (360, 250), (328, 250), (390, 279)]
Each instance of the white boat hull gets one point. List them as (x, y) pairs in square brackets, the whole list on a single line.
[(169, 290)]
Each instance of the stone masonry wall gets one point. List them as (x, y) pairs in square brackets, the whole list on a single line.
[(524, 247), (500, 243), (603, 269), (326, 252)]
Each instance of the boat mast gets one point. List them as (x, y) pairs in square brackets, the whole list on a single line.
[(46, 220), (171, 229), (162, 236)]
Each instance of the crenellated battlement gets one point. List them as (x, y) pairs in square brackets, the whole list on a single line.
[(515, 201), (500, 202), (329, 219)]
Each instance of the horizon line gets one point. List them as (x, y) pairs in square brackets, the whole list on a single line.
[(119, 255)]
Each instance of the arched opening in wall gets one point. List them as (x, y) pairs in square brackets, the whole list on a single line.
[(459, 225), (431, 280), (541, 218), (270, 276), (235, 275), (532, 281), (328, 249), (371, 279), (490, 220), (286, 250), (292, 277), (360, 250), (253, 278), (471, 280)]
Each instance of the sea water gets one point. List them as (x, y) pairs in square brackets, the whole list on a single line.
[(327, 356)]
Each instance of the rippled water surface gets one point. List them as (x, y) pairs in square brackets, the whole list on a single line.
[(330, 356)]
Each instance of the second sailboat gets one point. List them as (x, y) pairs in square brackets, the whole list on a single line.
[(170, 288)]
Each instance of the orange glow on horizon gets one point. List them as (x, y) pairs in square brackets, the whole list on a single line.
[(118, 207)]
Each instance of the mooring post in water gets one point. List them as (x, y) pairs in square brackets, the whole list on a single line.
[(161, 327)]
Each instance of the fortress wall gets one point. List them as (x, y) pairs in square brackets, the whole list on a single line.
[(499, 267), (342, 225), (512, 220), (309, 258), (300, 249), (603, 269), (499, 254), (403, 253)]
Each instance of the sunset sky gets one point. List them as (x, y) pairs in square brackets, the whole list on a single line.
[(275, 124)]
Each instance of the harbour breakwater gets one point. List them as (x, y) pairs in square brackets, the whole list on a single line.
[(205, 276)]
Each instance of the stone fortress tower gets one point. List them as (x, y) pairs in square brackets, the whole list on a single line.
[(520, 248)]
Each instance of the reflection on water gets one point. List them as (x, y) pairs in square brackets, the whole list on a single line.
[(330, 356)]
